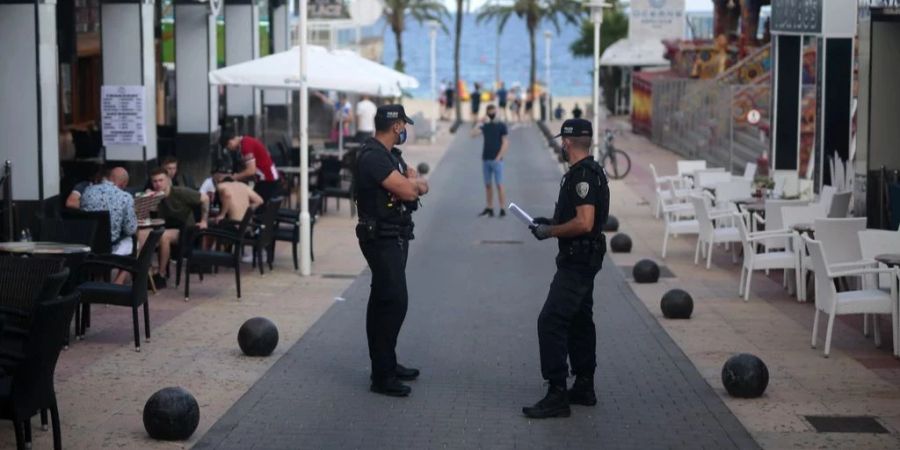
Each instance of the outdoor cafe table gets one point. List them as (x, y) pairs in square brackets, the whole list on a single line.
[(805, 228), (151, 223), (43, 248), (751, 204)]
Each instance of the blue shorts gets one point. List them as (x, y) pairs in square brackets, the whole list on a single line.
[(493, 170)]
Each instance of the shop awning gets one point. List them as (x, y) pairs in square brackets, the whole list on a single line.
[(635, 53), (341, 70)]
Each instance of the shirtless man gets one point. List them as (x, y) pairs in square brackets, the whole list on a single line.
[(235, 197)]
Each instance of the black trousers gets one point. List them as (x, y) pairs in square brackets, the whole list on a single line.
[(387, 301), (267, 189), (566, 325)]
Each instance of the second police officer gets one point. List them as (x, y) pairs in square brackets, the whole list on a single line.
[(566, 325), (386, 191)]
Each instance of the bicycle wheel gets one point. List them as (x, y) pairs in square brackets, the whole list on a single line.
[(617, 164)]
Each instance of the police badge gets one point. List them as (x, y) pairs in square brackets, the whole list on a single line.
[(582, 189)]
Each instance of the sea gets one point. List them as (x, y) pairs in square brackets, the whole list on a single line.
[(569, 76)]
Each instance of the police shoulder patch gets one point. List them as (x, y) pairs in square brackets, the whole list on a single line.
[(582, 189)]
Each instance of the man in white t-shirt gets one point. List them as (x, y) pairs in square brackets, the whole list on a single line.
[(365, 118)]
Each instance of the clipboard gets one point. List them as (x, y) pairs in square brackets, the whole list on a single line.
[(521, 214)]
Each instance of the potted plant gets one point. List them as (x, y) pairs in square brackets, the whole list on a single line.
[(762, 184)]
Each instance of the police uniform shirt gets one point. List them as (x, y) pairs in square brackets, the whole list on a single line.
[(581, 186), (375, 164)]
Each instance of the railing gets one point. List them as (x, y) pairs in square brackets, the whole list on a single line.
[(703, 119)]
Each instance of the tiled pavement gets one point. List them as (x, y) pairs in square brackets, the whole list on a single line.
[(471, 328)]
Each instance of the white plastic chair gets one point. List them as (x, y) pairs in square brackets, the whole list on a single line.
[(862, 301), (787, 183), (790, 216), (750, 171), (825, 198), (730, 191), (710, 177), (673, 214), (785, 259), (689, 166), (662, 184), (711, 234), (774, 221), (873, 243), (840, 205)]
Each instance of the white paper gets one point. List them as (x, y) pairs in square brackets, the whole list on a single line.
[(521, 214), (122, 115)]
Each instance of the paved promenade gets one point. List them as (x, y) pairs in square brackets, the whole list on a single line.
[(476, 287)]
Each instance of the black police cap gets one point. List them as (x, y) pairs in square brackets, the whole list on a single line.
[(576, 128), (392, 112)]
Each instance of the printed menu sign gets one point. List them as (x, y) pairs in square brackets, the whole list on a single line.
[(122, 112)]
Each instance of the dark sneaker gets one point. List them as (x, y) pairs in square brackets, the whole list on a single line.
[(554, 404), (582, 392), (487, 212), (391, 387), (159, 281), (502, 213), (406, 373)]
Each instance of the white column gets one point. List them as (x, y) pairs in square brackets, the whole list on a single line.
[(28, 89), (197, 102), (281, 40), (241, 44), (129, 58), (305, 232)]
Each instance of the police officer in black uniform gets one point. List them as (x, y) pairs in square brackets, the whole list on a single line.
[(566, 324), (386, 192)]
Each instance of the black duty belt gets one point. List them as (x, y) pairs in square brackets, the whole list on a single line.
[(585, 246), (367, 230)]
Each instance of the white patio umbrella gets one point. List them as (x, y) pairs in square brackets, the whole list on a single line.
[(328, 71), (392, 83)]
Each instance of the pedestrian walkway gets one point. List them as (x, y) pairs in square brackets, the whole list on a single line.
[(476, 287)]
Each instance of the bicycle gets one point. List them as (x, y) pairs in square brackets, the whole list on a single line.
[(615, 162)]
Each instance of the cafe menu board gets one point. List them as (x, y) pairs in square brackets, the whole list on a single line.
[(122, 113), (797, 16)]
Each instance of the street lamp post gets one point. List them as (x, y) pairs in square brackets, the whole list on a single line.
[(432, 33), (305, 234), (547, 103), (597, 17)]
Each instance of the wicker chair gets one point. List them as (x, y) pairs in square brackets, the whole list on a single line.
[(132, 296), (30, 374), (200, 260)]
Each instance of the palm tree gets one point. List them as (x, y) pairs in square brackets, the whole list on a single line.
[(534, 12), (395, 12), (459, 16)]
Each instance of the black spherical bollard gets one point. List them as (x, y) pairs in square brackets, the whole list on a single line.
[(620, 243), (258, 337), (423, 168), (745, 376), (171, 414), (645, 271), (677, 304), (612, 224)]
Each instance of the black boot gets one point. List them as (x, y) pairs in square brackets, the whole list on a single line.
[(391, 387), (554, 404), (502, 213), (487, 212), (582, 392), (406, 373)]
